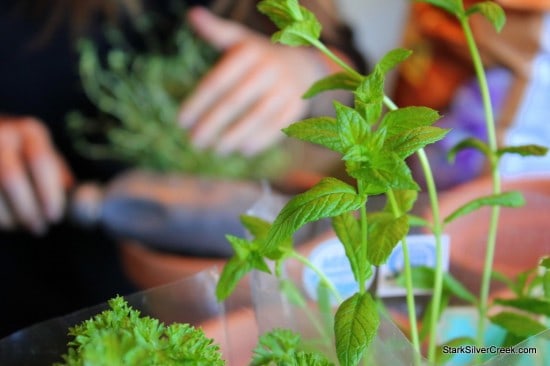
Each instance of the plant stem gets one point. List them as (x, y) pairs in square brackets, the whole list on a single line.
[(321, 47), (492, 140), (437, 230), (411, 306), (322, 277), (364, 241)]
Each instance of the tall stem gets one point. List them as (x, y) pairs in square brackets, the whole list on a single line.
[(364, 240), (411, 306), (492, 140), (437, 230)]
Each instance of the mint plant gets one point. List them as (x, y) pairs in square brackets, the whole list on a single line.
[(374, 137), (374, 145)]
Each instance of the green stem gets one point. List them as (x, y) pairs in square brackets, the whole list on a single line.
[(322, 277), (363, 252), (411, 306), (437, 230), (492, 140), (321, 47)]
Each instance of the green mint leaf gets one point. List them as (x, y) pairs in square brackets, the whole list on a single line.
[(418, 221), (348, 231), (423, 278), (281, 12), (393, 58), (404, 119), (524, 150), (257, 227), (233, 271), (322, 131), (384, 171), (404, 199), (469, 143), (246, 259), (355, 325), (298, 26), (546, 284), (545, 262), (352, 128), (506, 199), (369, 97), (501, 277), (455, 7), (328, 198), (409, 142), (241, 247), (528, 304), (338, 81), (298, 34), (357, 153), (385, 232), (517, 324), (490, 10)]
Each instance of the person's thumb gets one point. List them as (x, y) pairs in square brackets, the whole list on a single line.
[(221, 33)]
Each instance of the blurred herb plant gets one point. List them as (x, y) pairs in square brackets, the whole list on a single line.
[(138, 94)]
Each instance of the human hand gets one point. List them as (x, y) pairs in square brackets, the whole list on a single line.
[(33, 177), (251, 93)]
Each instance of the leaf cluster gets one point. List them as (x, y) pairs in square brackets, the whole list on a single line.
[(525, 314), (121, 336)]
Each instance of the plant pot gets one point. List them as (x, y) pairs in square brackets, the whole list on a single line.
[(523, 234)]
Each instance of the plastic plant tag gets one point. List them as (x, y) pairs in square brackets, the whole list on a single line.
[(422, 252)]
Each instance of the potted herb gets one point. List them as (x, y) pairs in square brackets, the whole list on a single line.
[(138, 92)]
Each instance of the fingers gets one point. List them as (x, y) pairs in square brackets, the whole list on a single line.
[(219, 81), (219, 32), (253, 91), (15, 184), (261, 125), (32, 179)]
